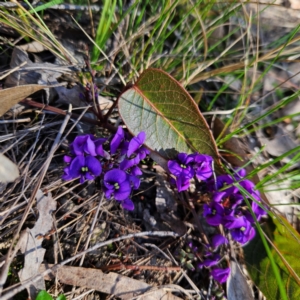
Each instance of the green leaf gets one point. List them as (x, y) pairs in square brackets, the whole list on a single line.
[(158, 105), (43, 295), (61, 297), (285, 249)]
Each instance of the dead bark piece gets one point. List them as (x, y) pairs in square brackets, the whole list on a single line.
[(31, 243), (112, 283)]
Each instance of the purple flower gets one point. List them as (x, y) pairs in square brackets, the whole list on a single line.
[(213, 213), (218, 239), (221, 182), (130, 166), (212, 260), (220, 275), (240, 228), (127, 204), (87, 168), (182, 169), (134, 181), (229, 202), (99, 148), (84, 144), (116, 183), (117, 140), (202, 166), (182, 166), (135, 146)]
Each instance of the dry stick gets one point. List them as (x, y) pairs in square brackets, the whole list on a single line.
[(74, 116), (10, 257), (92, 227), (20, 287), (15, 121), (59, 111), (184, 273), (13, 70), (200, 228)]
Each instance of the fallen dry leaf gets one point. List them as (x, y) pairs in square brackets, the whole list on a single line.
[(10, 97), (31, 243), (237, 286), (277, 141), (111, 283), (9, 171)]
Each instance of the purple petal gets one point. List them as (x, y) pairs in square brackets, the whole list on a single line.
[(114, 176), (108, 193), (218, 196), (117, 139), (127, 204), (231, 222), (182, 183), (99, 148), (135, 181), (123, 191), (67, 159), (75, 167), (127, 164), (220, 275), (84, 144), (67, 175), (90, 147), (210, 261), (218, 240), (243, 236), (135, 143), (174, 167), (93, 165)]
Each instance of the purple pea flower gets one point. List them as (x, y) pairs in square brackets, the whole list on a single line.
[(229, 202), (117, 141), (220, 275), (84, 144), (202, 166), (218, 239), (221, 182), (213, 212), (127, 204), (240, 228), (116, 183), (135, 146), (99, 148), (85, 167), (183, 170), (130, 166), (211, 260)]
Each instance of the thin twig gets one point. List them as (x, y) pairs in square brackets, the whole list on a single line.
[(11, 291)]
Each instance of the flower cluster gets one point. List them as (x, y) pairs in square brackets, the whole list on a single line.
[(186, 166), (230, 197), (229, 206), (117, 167)]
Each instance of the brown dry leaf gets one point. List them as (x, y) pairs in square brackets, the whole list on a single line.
[(111, 283), (237, 286), (34, 47), (10, 97), (277, 141), (31, 243), (9, 171)]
